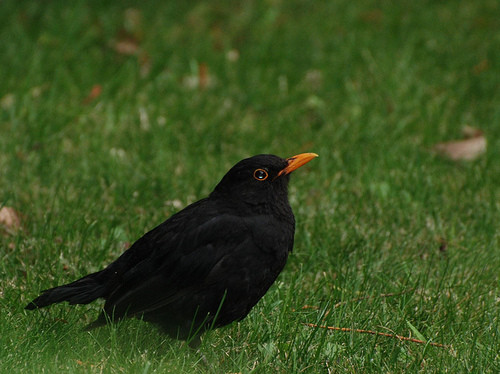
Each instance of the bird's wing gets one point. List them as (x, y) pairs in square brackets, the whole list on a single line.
[(181, 255)]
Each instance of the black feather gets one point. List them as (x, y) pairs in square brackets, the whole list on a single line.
[(205, 266)]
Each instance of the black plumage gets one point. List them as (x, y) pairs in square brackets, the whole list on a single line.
[(205, 266)]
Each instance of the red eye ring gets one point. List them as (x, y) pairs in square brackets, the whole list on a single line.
[(260, 174)]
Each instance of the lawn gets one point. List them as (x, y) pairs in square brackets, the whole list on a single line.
[(115, 115)]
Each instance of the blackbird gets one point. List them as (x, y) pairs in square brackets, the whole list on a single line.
[(205, 266)]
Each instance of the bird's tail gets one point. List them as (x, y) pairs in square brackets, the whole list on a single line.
[(81, 291)]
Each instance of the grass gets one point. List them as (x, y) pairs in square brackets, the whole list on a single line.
[(369, 86)]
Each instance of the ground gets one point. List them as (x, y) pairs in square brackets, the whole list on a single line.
[(113, 116)]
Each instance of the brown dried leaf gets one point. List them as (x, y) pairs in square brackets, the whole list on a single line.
[(468, 149), (203, 75), (201, 80), (481, 66), (471, 132), (10, 220), (94, 93), (126, 45), (145, 64), (374, 16), (128, 39)]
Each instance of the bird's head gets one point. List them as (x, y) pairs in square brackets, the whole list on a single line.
[(260, 179)]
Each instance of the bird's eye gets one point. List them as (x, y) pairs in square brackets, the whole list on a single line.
[(260, 174)]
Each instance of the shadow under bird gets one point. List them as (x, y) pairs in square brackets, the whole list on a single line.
[(205, 266)]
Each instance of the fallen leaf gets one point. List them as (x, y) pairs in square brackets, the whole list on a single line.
[(10, 220), (126, 45), (481, 66), (203, 75), (468, 149), (129, 37), (95, 92), (145, 64), (217, 37), (200, 79), (374, 16), (471, 132)]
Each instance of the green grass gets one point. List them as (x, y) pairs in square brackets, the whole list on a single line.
[(369, 86)]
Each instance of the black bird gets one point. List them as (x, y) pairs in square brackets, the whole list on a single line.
[(207, 265)]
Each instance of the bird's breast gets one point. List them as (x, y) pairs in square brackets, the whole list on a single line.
[(271, 235)]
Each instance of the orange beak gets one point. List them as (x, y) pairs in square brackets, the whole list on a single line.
[(296, 162)]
